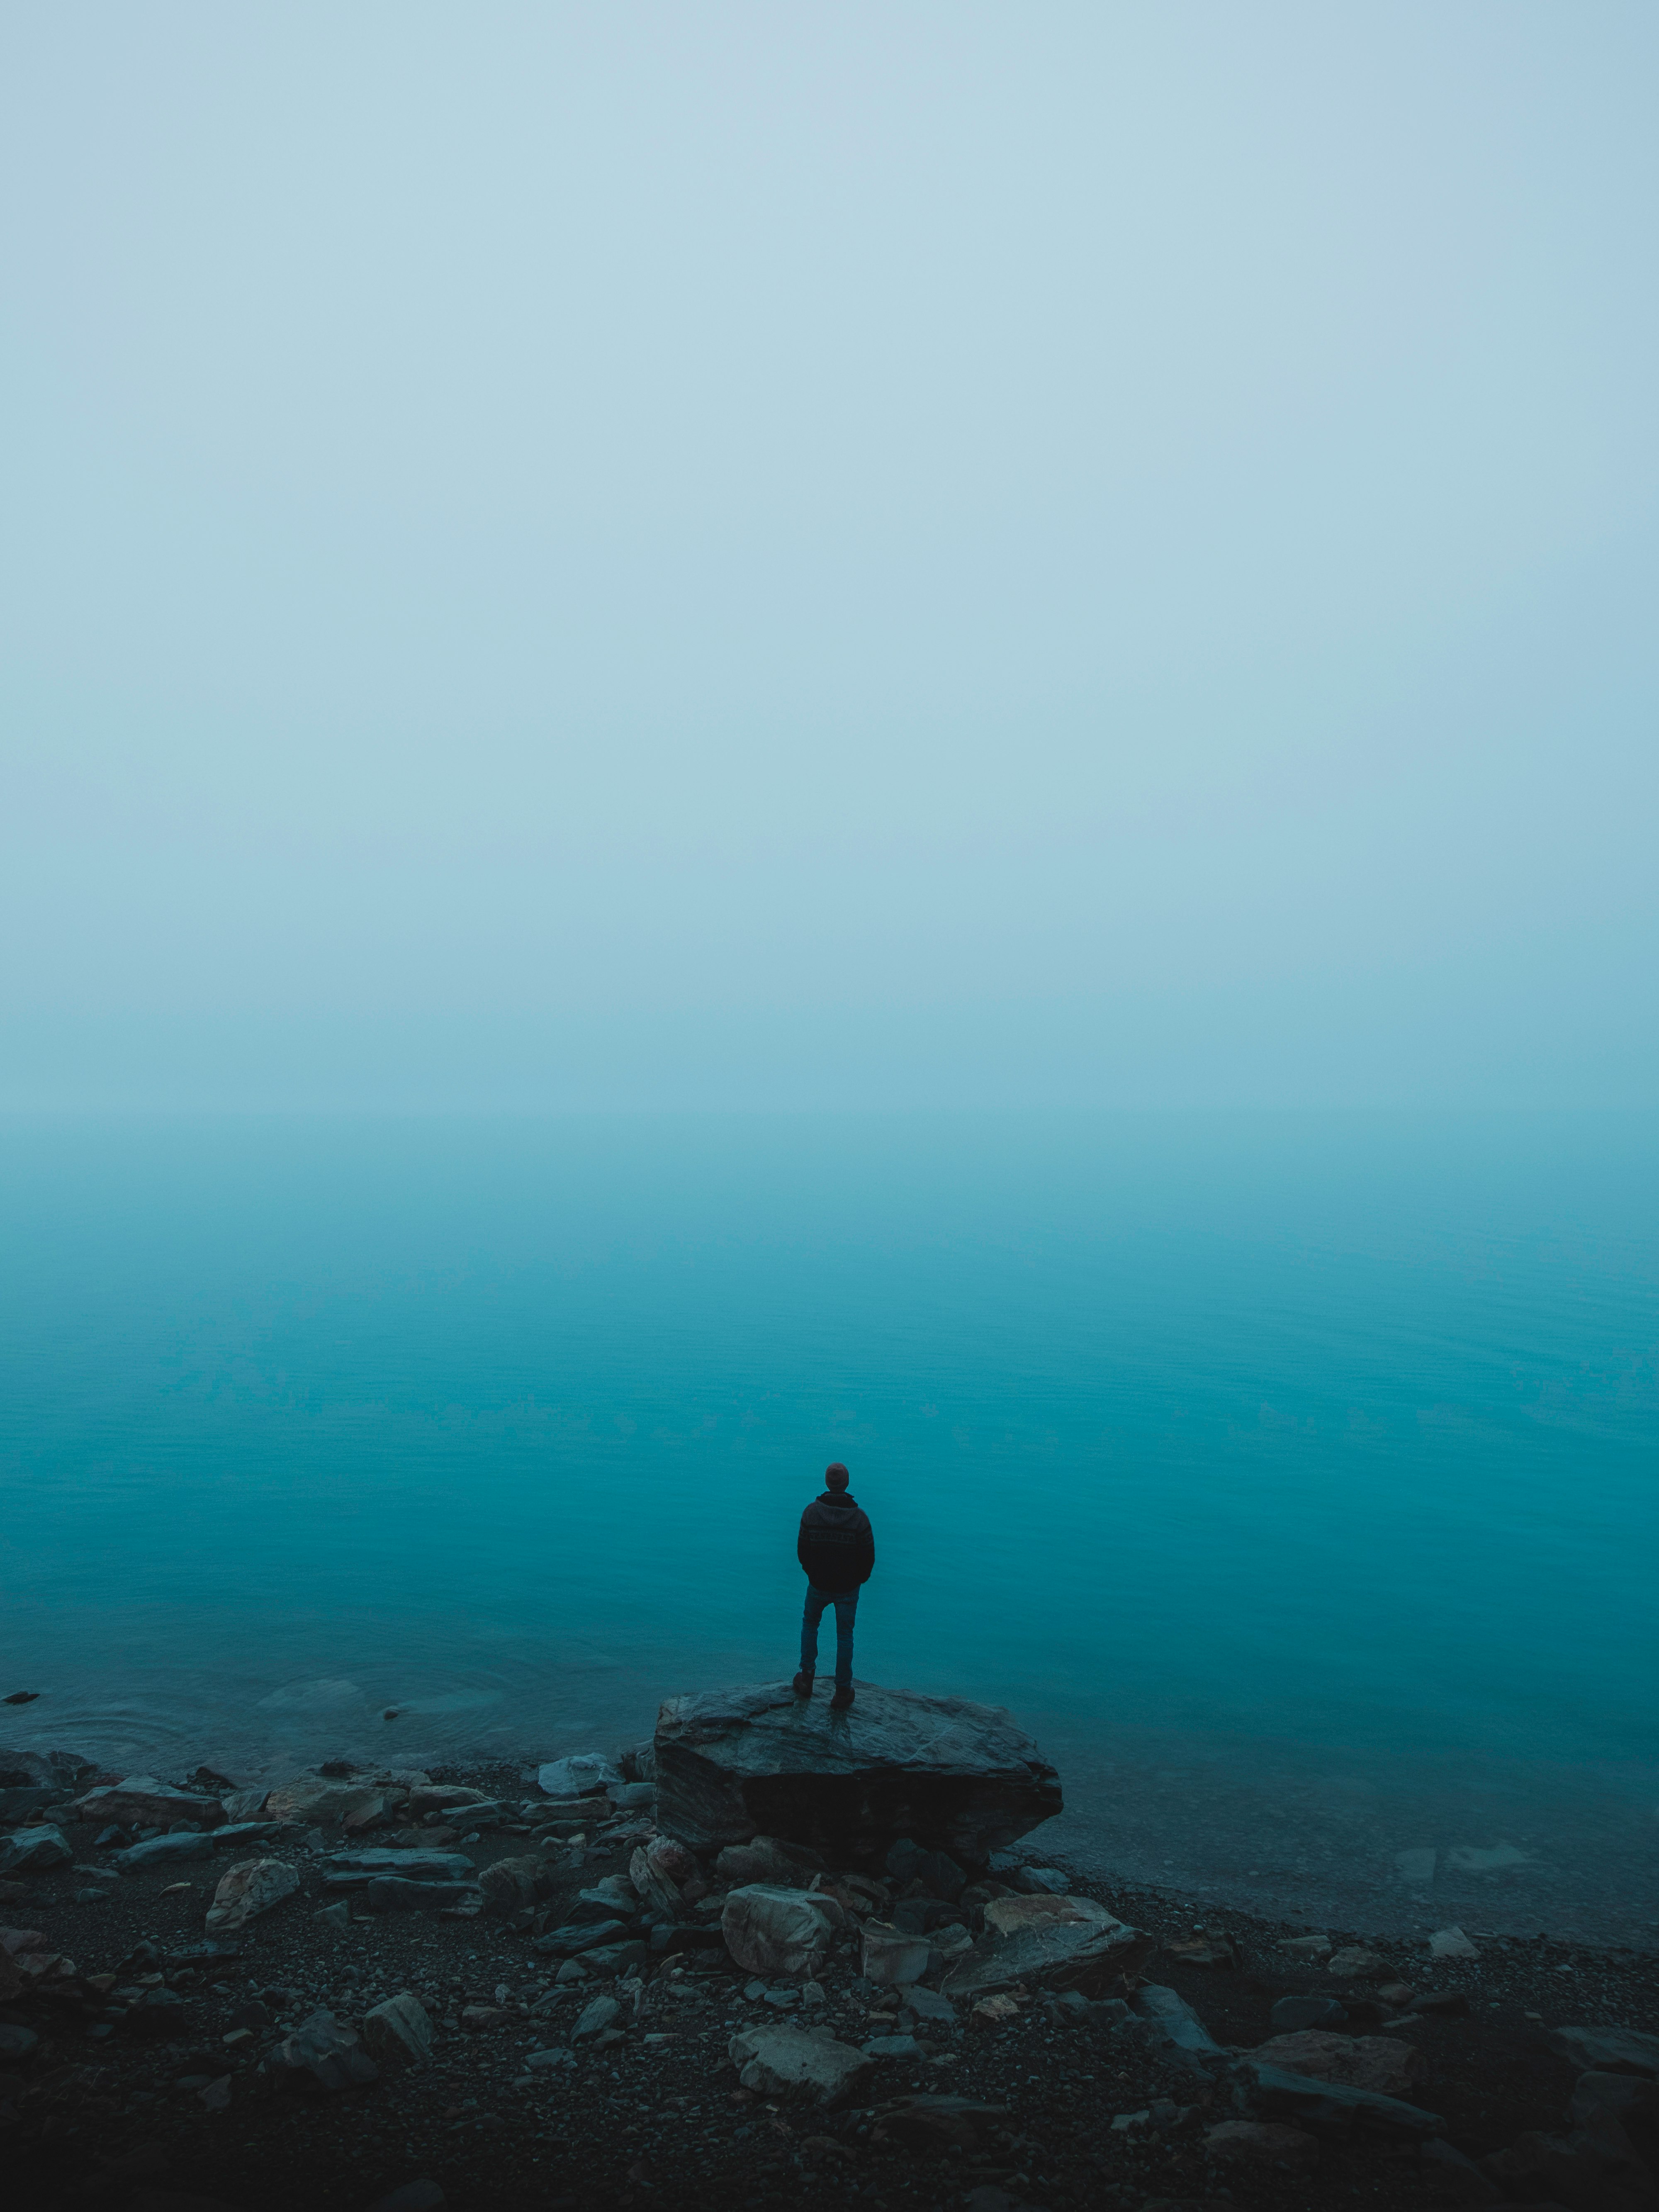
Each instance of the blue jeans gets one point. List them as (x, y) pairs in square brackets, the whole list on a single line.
[(846, 1603)]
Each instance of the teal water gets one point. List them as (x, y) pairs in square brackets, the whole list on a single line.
[(1293, 1480)]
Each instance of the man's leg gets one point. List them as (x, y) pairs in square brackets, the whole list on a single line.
[(847, 1604), (816, 1601)]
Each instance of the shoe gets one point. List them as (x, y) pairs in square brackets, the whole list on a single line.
[(803, 1685), (843, 1696)]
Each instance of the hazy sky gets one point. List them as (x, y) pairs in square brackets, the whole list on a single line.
[(885, 553)]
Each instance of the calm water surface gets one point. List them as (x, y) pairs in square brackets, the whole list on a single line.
[(1293, 1480)]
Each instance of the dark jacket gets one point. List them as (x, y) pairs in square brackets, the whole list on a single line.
[(836, 1545)]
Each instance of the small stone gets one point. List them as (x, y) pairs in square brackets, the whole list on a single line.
[(215, 2098), (599, 2016), (1293, 2013), (572, 1971), (1307, 1947), (893, 2046), (326, 2051), (1398, 1994), (1263, 2142), (995, 2008), (481, 2016), (335, 1916), (551, 2057), (1451, 1943)]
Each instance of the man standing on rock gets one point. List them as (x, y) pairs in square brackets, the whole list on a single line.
[(837, 1548)]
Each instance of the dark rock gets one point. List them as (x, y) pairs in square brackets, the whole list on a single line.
[(62, 1772), (601, 2013), (108, 1839), (212, 1784), (176, 2200), (32, 1850), (938, 1873), (1608, 2050), (246, 1831), (163, 1850), (574, 1937), (21, 1698), (1452, 2178), (18, 1802), (159, 2015), (937, 2123), (1444, 2002), (1039, 1881), (687, 1937), (353, 1869), (1624, 2096), (252, 2013), (1332, 2105), (1172, 2019), (915, 1916), (1293, 2013), (954, 1775), (386, 1892), (323, 2054), (17, 2045), (616, 1957), (1593, 2170), (413, 2196)]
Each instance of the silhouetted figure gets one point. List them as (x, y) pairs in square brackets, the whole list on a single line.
[(837, 1547)]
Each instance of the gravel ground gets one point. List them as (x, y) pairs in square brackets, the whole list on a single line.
[(657, 2118)]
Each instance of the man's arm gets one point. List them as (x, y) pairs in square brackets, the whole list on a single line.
[(867, 1551)]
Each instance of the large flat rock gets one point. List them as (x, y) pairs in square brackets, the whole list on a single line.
[(757, 1760)]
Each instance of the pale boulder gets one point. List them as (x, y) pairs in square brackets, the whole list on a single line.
[(782, 2062), (141, 1802), (779, 1931), (1381, 2063), (397, 2033), (245, 1890)]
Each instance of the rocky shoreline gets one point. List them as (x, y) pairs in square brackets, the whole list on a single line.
[(485, 1987)]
